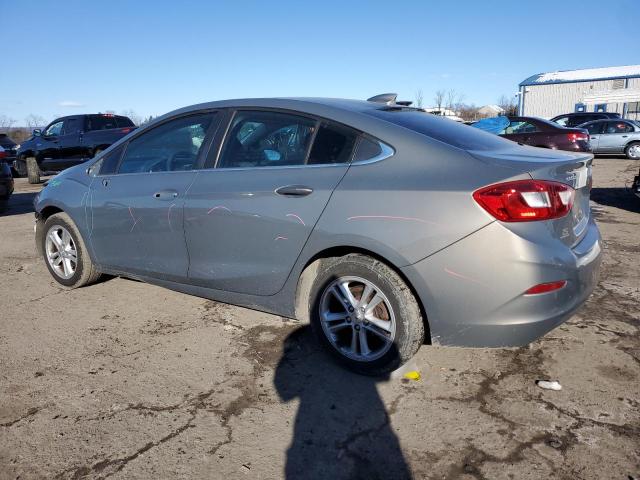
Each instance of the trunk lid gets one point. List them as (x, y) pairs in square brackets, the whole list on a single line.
[(573, 169)]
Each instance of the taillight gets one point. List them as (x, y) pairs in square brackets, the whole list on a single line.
[(546, 287), (126, 130), (3, 154), (574, 137), (526, 200)]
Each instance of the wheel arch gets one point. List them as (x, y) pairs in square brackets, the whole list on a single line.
[(307, 275)]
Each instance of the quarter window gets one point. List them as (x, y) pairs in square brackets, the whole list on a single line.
[(333, 144), (367, 149), (520, 127), (266, 139), (172, 146), (110, 161), (53, 130)]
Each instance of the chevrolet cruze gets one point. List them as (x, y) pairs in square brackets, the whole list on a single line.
[(384, 226)]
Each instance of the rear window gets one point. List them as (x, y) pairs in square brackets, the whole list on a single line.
[(6, 142), (106, 122), (442, 129)]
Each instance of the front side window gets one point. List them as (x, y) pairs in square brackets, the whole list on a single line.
[(53, 130), (594, 128), (266, 139), (172, 146), (618, 127)]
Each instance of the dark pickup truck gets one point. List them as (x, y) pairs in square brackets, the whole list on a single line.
[(68, 141)]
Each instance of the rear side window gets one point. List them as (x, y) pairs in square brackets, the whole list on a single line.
[(101, 122), (266, 139), (171, 146), (123, 122), (519, 127), (442, 129), (72, 125), (562, 121), (618, 127), (333, 144), (594, 128)]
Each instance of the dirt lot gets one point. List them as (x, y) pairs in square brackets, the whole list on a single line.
[(127, 380)]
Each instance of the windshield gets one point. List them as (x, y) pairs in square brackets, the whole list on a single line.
[(442, 129)]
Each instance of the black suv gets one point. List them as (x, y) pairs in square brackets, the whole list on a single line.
[(575, 119), (68, 141)]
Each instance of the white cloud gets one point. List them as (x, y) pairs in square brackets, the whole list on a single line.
[(70, 104)]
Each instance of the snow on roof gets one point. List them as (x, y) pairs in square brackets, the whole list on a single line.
[(583, 75)]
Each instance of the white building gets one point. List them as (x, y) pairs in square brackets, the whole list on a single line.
[(491, 111), (610, 89), (443, 112)]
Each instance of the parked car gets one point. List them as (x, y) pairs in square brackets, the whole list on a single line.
[(635, 187), (538, 133), (578, 118), (615, 136), (378, 223), (68, 141), (6, 179), (9, 147)]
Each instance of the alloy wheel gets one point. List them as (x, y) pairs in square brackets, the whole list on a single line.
[(357, 318), (61, 252)]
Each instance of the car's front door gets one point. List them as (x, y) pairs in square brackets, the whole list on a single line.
[(48, 145), (615, 136), (71, 152), (136, 203), (247, 220)]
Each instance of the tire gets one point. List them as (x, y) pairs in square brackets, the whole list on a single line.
[(633, 151), (82, 271), (33, 171), (396, 330)]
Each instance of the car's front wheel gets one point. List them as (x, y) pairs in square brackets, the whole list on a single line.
[(33, 170), (633, 151), (364, 314), (65, 253)]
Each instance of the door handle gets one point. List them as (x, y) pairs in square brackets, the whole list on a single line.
[(294, 191), (105, 182), (625, 136), (165, 195)]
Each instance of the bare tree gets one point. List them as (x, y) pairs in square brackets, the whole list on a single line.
[(438, 99), (419, 98), (135, 118), (508, 104), (6, 122), (34, 121)]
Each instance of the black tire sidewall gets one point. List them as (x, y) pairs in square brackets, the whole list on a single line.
[(59, 220), (356, 267)]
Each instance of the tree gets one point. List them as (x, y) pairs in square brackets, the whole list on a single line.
[(135, 118), (419, 98), (34, 121), (438, 99), (454, 100), (6, 123), (508, 104)]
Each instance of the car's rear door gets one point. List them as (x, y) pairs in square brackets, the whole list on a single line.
[(615, 136), (247, 219), (595, 130), (71, 152), (136, 202)]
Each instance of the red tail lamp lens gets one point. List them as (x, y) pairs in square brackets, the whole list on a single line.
[(526, 200), (546, 287)]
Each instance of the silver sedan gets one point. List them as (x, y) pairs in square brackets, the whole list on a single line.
[(615, 136)]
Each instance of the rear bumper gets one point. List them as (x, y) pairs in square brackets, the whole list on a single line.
[(473, 291)]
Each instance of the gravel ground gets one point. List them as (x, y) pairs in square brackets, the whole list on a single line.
[(128, 380)]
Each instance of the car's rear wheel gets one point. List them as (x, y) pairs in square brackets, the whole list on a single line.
[(364, 314), (20, 167), (65, 253), (33, 171), (633, 151)]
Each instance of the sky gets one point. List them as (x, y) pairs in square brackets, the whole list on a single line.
[(62, 58)]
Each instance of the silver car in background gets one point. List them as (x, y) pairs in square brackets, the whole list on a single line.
[(382, 225), (615, 136)]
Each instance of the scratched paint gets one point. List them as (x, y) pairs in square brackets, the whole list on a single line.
[(135, 220), (464, 277), (293, 215), (280, 237), (169, 216), (389, 217), (218, 207)]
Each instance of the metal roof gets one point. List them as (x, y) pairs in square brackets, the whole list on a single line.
[(584, 75)]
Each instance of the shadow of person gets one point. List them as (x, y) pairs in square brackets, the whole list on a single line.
[(342, 430)]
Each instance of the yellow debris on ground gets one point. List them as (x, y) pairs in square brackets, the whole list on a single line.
[(412, 375)]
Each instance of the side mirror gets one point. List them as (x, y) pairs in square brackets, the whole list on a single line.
[(37, 132)]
